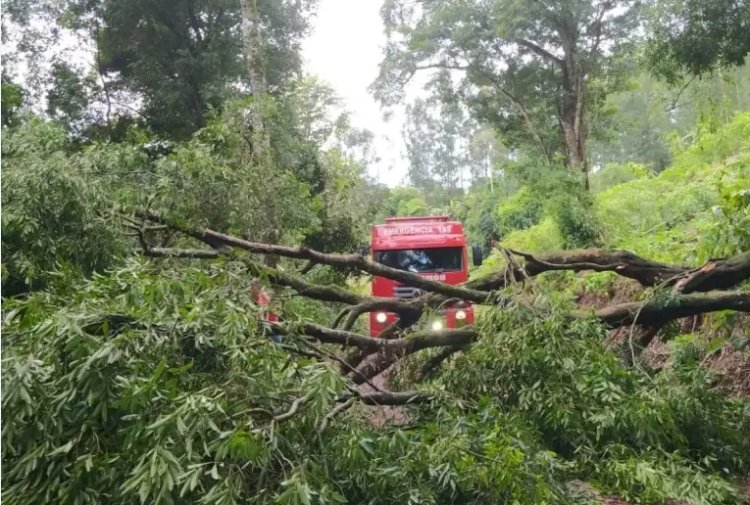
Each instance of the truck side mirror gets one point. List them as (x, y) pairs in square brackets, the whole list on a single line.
[(476, 255)]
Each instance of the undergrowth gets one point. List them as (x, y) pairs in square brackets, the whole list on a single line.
[(642, 436)]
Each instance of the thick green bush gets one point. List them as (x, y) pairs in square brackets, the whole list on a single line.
[(693, 210), (590, 409), (56, 212), (519, 212)]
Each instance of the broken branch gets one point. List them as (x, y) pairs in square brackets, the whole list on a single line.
[(658, 312), (335, 260)]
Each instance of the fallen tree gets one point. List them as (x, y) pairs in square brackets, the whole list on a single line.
[(159, 371), (714, 274), (694, 291)]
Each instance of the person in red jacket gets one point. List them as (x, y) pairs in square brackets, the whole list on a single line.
[(261, 297)]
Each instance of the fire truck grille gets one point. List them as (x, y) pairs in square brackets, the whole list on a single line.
[(406, 292)]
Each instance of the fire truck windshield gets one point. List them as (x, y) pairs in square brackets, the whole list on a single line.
[(445, 259)]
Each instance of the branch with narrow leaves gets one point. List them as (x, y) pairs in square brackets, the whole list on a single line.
[(409, 311), (384, 352), (432, 364), (275, 276), (354, 260), (378, 363), (412, 343), (715, 274), (341, 407), (296, 404), (394, 398), (377, 398), (345, 366)]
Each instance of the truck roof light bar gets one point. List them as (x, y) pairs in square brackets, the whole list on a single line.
[(438, 219)]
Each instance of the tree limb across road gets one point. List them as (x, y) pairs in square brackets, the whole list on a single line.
[(693, 291)]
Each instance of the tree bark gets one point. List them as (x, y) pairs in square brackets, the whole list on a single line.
[(571, 119), (715, 274), (572, 107), (625, 263), (658, 312), (254, 67)]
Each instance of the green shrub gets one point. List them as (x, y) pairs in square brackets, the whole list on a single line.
[(56, 213), (544, 236), (582, 400), (613, 174), (600, 283), (727, 228), (576, 220), (519, 212), (693, 210)]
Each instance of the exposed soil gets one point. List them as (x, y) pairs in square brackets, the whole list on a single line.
[(581, 488), (731, 365), (384, 414), (733, 368)]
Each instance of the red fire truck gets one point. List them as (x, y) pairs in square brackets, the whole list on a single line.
[(433, 247)]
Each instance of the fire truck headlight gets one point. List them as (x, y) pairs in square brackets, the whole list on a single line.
[(460, 315), (381, 317), (437, 325)]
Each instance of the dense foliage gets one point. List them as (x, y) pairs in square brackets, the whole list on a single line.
[(146, 384), (696, 37)]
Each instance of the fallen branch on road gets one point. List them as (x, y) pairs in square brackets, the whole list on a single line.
[(693, 292)]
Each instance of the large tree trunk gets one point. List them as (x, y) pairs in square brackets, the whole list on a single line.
[(254, 66), (572, 118), (572, 108), (252, 48)]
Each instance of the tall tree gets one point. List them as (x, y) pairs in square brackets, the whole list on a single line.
[(252, 49), (433, 145), (486, 153), (642, 118), (180, 56), (180, 59), (694, 36), (446, 148), (12, 99), (537, 70)]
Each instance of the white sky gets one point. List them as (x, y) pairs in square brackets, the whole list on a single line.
[(345, 49)]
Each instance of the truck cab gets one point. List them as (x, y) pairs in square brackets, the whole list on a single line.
[(433, 247)]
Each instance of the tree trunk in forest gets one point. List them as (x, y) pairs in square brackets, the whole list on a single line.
[(575, 138), (253, 54), (572, 110), (252, 49)]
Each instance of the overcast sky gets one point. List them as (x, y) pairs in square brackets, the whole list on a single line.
[(345, 49)]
